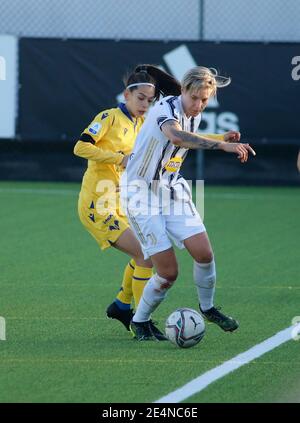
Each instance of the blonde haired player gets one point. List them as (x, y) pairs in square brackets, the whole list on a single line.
[(107, 143), (152, 173)]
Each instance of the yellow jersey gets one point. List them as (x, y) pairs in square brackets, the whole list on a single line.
[(109, 137)]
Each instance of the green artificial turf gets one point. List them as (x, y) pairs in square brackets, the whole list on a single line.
[(55, 285)]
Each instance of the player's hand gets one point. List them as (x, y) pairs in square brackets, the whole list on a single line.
[(242, 150), (232, 136), (125, 161)]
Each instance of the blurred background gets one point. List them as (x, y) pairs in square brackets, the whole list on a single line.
[(62, 61)]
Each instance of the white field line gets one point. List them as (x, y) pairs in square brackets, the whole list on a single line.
[(197, 385)]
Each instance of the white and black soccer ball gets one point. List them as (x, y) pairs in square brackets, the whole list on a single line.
[(185, 327)]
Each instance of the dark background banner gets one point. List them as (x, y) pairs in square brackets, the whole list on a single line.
[(64, 83)]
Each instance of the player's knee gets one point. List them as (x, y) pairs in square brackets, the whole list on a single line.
[(140, 261), (205, 256), (170, 275), (167, 284)]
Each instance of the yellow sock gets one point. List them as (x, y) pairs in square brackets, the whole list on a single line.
[(125, 293), (141, 275)]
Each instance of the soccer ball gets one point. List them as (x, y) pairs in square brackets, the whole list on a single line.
[(185, 327)]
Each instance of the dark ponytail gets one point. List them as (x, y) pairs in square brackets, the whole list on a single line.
[(165, 84)]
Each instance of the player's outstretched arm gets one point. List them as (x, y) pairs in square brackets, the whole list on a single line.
[(180, 138), (172, 130), (230, 136), (242, 150)]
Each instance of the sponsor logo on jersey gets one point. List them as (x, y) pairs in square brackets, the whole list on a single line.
[(174, 164), (104, 116), (95, 128), (125, 131)]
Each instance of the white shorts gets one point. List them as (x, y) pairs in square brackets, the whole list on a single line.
[(159, 227)]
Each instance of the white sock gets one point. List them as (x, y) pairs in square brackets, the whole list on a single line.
[(205, 280), (153, 294)]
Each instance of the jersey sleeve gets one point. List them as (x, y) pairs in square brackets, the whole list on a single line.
[(166, 110), (88, 145), (89, 151), (99, 126)]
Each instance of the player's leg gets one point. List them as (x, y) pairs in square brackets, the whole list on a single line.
[(112, 229), (200, 249), (142, 269), (125, 293), (151, 232), (137, 273), (154, 293), (166, 273), (188, 230), (120, 308)]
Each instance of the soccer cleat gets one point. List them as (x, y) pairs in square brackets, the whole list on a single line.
[(142, 331), (227, 323), (124, 316), (156, 332)]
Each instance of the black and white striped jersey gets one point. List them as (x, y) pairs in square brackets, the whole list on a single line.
[(154, 157)]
